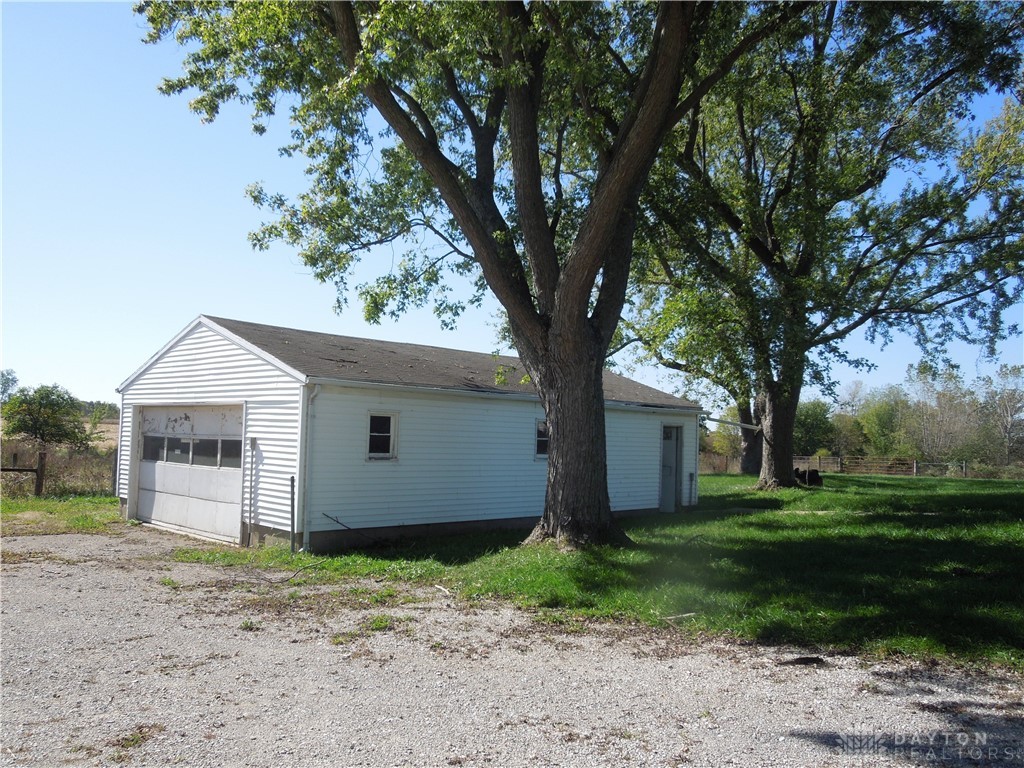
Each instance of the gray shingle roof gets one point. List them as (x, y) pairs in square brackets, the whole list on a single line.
[(346, 358)]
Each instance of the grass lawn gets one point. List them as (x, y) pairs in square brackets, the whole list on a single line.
[(27, 515), (918, 567)]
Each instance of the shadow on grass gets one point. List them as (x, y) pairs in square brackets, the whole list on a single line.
[(453, 550), (892, 585), (868, 493), (929, 574)]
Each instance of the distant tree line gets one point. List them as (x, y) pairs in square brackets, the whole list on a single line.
[(933, 417)]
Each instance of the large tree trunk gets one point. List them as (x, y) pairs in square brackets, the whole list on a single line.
[(577, 508), (751, 442), (777, 422)]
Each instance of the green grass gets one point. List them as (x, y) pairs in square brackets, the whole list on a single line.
[(917, 567), (28, 516)]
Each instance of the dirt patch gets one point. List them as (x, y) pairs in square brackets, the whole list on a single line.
[(115, 654)]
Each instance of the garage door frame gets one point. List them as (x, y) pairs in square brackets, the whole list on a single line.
[(237, 498)]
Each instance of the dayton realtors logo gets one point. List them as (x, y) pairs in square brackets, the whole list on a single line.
[(931, 746), (863, 742)]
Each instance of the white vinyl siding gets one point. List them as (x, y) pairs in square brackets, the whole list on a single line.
[(634, 441), (202, 367), (461, 458)]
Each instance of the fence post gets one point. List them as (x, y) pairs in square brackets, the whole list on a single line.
[(40, 471), (819, 462), (965, 468), (915, 467)]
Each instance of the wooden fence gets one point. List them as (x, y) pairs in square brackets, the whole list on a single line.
[(871, 465), (39, 470)]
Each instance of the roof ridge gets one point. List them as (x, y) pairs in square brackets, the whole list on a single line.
[(268, 326)]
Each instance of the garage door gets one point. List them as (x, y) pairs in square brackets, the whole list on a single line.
[(190, 471)]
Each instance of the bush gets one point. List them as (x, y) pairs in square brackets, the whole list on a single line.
[(1003, 472)]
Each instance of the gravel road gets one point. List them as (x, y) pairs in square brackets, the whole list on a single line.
[(114, 654)]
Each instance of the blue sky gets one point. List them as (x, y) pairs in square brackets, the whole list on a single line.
[(124, 217)]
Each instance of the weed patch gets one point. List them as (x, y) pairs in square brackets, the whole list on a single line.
[(139, 736), (380, 623), (47, 515)]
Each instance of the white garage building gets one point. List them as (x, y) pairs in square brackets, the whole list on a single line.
[(235, 431)]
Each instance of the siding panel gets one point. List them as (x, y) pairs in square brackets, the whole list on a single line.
[(459, 459)]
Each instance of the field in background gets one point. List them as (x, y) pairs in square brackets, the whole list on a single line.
[(69, 472)]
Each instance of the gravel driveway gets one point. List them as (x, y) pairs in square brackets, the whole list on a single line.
[(114, 654)]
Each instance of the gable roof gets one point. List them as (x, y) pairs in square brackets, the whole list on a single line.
[(328, 357)]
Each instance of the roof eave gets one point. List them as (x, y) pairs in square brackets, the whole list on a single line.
[(489, 393)]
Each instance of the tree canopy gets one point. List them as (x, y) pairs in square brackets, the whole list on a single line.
[(8, 384), (935, 416), (519, 136), (49, 414), (829, 185)]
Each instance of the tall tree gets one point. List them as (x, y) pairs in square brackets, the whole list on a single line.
[(848, 437), (812, 428), (945, 414), (8, 384), (1003, 405), (683, 330), (520, 135), (885, 415), (835, 190)]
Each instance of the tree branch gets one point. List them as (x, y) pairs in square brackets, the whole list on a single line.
[(476, 213), (523, 115)]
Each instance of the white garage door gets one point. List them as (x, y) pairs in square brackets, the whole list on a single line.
[(190, 471)]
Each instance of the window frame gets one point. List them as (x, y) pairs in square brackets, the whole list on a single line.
[(202, 454), (191, 440), (179, 451), (392, 434), (541, 434), (161, 451), (220, 453)]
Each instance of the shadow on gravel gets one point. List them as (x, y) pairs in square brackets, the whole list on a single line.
[(980, 730)]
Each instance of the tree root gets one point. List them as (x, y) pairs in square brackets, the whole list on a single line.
[(567, 540)]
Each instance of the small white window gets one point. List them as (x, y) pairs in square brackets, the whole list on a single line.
[(383, 436), (543, 440)]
